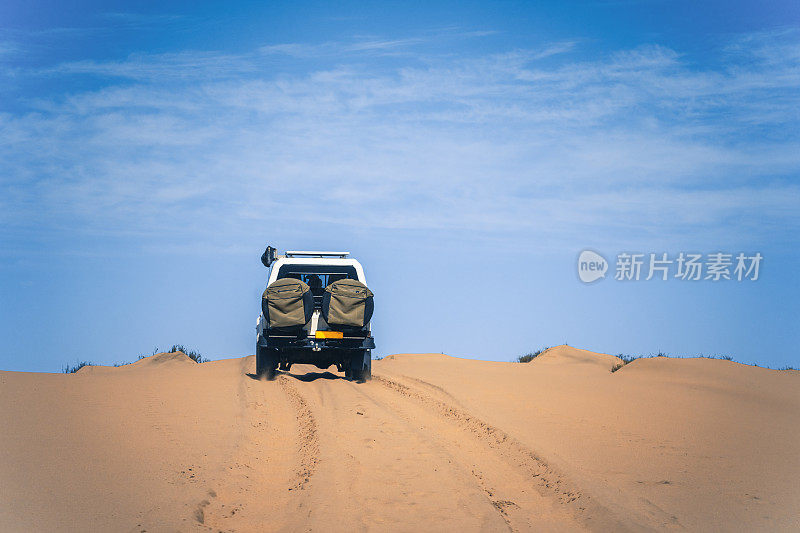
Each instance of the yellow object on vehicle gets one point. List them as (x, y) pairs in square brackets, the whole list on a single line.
[(329, 335)]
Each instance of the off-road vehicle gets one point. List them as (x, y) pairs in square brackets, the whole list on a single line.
[(305, 291)]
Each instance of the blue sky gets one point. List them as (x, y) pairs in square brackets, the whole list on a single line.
[(149, 152)]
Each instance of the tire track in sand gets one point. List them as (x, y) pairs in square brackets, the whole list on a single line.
[(495, 437), (274, 457), (472, 473), (549, 483), (308, 439), (379, 471)]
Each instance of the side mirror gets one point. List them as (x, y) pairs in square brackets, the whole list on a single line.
[(269, 256)]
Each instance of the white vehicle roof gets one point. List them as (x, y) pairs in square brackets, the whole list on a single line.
[(298, 253)]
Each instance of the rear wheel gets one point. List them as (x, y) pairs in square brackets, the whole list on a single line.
[(266, 362), (360, 366), (367, 367)]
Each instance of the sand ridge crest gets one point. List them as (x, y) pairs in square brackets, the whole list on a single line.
[(164, 358), (157, 360), (567, 355), (415, 356)]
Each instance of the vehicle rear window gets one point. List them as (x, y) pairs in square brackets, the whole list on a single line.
[(317, 276)]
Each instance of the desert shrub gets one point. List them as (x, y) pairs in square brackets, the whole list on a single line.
[(191, 354), (530, 356), (722, 357), (629, 358), (71, 369), (625, 360)]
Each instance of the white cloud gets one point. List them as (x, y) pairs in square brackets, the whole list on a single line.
[(638, 145), (163, 67), (374, 45)]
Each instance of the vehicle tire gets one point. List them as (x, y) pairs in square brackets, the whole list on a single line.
[(266, 363), (360, 366), (367, 375)]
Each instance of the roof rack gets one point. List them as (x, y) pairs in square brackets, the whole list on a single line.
[(305, 253)]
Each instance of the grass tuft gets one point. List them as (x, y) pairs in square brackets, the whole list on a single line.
[(629, 358), (530, 356), (191, 354), (68, 369)]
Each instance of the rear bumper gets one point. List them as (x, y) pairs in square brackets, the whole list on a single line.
[(288, 342)]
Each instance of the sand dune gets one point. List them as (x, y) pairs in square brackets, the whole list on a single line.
[(433, 443)]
